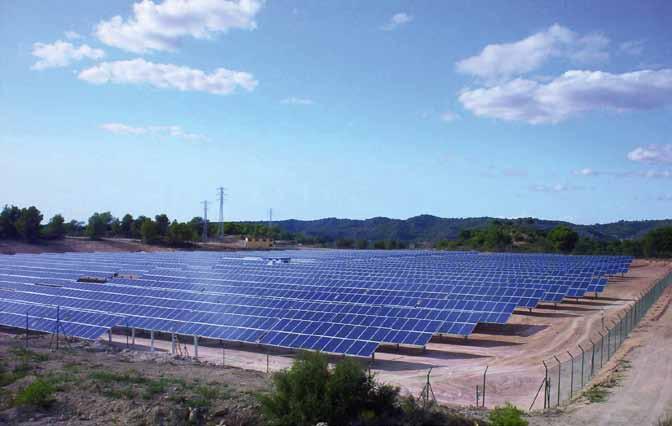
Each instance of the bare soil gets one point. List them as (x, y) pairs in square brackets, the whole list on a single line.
[(637, 381), (76, 244), (102, 385)]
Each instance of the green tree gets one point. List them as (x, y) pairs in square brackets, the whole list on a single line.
[(55, 228), (361, 244), (309, 393), (149, 231), (563, 238), (345, 243), (28, 224), (126, 227), (379, 245), (8, 218), (75, 228), (137, 224), (658, 243), (97, 227), (162, 224), (197, 225), (180, 233)]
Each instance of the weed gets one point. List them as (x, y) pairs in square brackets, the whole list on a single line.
[(508, 415), (119, 393), (665, 421), (37, 394), (27, 355), (596, 394), (130, 377)]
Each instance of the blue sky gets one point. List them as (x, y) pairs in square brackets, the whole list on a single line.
[(559, 110)]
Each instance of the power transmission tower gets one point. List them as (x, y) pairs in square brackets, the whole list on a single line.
[(205, 220), (270, 218), (221, 196)]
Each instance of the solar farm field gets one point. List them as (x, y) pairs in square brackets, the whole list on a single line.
[(408, 311)]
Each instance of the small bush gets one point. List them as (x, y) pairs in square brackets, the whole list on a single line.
[(596, 394), (40, 393), (508, 415), (665, 421)]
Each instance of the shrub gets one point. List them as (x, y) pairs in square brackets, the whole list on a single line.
[(508, 415), (37, 394), (309, 393)]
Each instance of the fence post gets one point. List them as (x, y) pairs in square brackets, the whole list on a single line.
[(583, 361), (571, 377), (592, 359), (545, 385), (601, 350), (26, 329), (559, 368), (608, 344), (483, 395)]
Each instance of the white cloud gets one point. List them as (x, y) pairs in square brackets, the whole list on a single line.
[(632, 47), (72, 35), (168, 76), (396, 21), (666, 197), (652, 154), (502, 61), (172, 131), (585, 172), (297, 101), (555, 188), (572, 93), (123, 129), (648, 174), (61, 54), (449, 116), (160, 26)]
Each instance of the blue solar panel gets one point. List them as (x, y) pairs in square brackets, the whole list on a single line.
[(335, 301)]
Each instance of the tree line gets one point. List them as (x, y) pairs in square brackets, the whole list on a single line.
[(513, 237), (500, 235), (26, 224)]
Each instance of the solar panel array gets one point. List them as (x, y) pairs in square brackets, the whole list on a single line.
[(336, 301)]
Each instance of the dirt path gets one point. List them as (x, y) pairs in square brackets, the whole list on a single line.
[(644, 392)]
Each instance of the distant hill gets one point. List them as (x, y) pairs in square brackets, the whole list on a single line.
[(432, 228)]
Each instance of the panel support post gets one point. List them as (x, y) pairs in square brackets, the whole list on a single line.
[(109, 337), (133, 337), (151, 340), (195, 347), (172, 343)]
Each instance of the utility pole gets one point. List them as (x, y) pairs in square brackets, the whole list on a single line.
[(221, 195), (205, 220)]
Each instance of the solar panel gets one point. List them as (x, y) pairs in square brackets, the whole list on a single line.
[(337, 301)]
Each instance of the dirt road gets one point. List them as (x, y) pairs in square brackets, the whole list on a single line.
[(644, 392)]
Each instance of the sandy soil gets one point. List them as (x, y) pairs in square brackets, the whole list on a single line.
[(643, 393), (513, 353), (74, 244)]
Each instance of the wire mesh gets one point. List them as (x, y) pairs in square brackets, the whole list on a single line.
[(571, 372)]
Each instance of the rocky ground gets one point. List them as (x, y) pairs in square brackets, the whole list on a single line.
[(98, 385)]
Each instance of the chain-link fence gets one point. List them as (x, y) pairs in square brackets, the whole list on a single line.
[(566, 374)]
